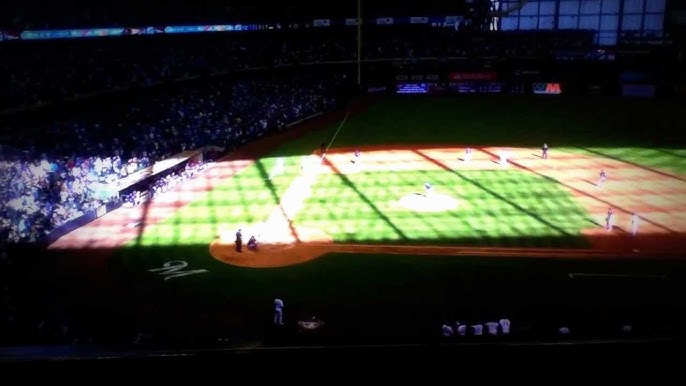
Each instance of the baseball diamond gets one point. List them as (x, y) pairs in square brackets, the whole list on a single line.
[(344, 239)]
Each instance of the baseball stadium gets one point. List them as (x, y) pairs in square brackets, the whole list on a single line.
[(356, 214)]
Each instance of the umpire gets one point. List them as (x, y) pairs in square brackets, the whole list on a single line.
[(239, 241)]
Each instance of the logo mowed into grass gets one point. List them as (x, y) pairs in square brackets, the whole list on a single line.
[(175, 269)]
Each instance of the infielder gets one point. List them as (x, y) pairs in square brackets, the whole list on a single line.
[(634, 223), (278, 168), (609, 219), (468, 154), (603, 177), (503, 157)]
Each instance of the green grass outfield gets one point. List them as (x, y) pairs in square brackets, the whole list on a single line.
[(499, 208)]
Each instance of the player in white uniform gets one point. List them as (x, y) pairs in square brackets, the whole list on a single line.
[(503, 157), (461, 329), (478, 329), (492, 328), (505, 326), (634, 223), (427, 188), (278, 312)]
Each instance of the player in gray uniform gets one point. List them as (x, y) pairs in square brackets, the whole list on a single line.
[(634, 223), (610, 219), (602, 178)]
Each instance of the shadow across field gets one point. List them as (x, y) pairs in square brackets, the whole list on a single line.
[(357, 295)]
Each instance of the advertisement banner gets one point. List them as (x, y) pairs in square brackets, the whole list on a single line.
[(482, 76), (524, 73), (350, 21), (477, 87), (453, 20), (384, 21), (321, 22), (71, 33), (412, 88), (376, 89), (419, 20), (547, 88)]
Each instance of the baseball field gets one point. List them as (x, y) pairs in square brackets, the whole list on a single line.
[(361, 244)]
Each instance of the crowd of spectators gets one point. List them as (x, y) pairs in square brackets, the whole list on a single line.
[(62, 173), (43, 72)]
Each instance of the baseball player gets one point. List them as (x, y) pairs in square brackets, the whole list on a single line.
[(278, 312), (278, 168), (427, 188), (461, 329), (609, 219), (503, 157), (239, 241), (603, 177), (357, 156), (545, 151), (492, 328), (478, 329), (252, 244), (505, 326), (468, 154), (634, 223)]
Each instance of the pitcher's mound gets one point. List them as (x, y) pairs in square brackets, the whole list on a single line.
[(275, 249), (428, 203)]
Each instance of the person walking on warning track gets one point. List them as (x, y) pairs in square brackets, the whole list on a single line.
[(609, 219), (545, 151)]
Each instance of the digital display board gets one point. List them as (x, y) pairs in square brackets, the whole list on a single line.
[(547, 88), (477, 87), (412, 88)]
